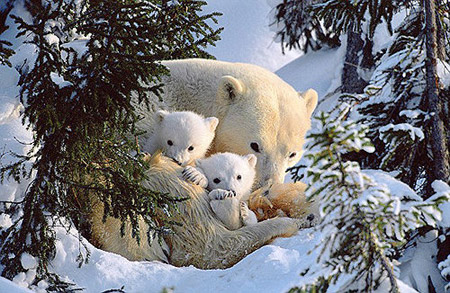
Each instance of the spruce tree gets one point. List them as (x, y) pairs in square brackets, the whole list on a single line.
[(362, 223), (92, 58), (298, 26), (304, 24)]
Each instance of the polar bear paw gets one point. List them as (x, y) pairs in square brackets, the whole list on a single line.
[(248, 217), (195, 176), (221, 194)]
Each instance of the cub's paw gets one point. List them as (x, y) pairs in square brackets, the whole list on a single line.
[(221, 194), (195, 176), (248, 217)]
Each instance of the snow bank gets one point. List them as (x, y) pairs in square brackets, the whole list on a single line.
[(273, 268), (10, 287)]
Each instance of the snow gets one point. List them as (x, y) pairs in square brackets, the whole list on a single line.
[(28, 261), (442, 189), (11, 287), (246, 36), (273, 268), (419, 262), (319, 70), (59, 80), (396, 188), (401, 127)]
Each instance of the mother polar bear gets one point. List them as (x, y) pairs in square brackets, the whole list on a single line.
[(258, 113)]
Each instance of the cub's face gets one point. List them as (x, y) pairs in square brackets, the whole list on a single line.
[(229, 171), (185, 136)]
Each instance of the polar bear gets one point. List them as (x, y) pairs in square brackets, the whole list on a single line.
[(228, 178), (258, 112), (183, 136), (202, 240)]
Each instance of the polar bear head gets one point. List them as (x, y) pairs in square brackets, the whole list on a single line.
[(184, 136), (261, 114), (229, 171)]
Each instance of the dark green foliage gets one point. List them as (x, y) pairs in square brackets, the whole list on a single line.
[(301, 28), (5, 53), (79, 106), (312, 24)]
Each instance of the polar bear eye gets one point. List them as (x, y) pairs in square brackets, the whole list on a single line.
[(239, 177), (255, 147), (292, 155), (169, 142), (191, 148), (216, 180)]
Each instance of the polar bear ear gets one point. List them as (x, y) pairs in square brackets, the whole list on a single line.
[(160, 115), (311, 99), (212, 123), (230, 87), (251, 160)]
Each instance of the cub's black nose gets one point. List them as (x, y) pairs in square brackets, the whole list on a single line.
[(176, 161)]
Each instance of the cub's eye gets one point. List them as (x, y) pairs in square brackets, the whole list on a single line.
[(191, 148), (255, 147), (239, 177), (169, 142), (292, 155), (216, 180)]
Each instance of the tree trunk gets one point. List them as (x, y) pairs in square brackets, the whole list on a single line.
[(439, 146), (440, 34), (351, 81)]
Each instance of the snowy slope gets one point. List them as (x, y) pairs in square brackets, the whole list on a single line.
[(7, 286), (273, 268), (246, 36)]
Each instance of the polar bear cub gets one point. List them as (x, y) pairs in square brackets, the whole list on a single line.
[(182, 136), (229, 178)]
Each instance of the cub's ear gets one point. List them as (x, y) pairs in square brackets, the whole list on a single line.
[(212, 123), (251, 158), (311, 97), (160, 115), (230, 87)]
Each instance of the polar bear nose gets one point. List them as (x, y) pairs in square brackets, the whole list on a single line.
[(176, 161)]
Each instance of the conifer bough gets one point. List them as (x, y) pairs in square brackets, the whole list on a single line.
[(78, 103)]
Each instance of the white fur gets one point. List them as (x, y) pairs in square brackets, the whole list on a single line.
[(202, 240), (253, 106), (229, 179), (175, 133), (226, 167)]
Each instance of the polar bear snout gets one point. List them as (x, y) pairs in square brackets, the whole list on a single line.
[(176, 161)]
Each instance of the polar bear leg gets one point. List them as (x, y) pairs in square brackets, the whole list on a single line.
[(195, 176), (248, 216), (227, 211), (221, 194)]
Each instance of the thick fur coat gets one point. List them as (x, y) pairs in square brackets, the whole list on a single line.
[(202, 240)]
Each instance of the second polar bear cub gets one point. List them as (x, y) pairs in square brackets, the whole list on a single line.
[(229, 178), (182, 136)]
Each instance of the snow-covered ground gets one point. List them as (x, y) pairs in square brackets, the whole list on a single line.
[(272, 268)]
